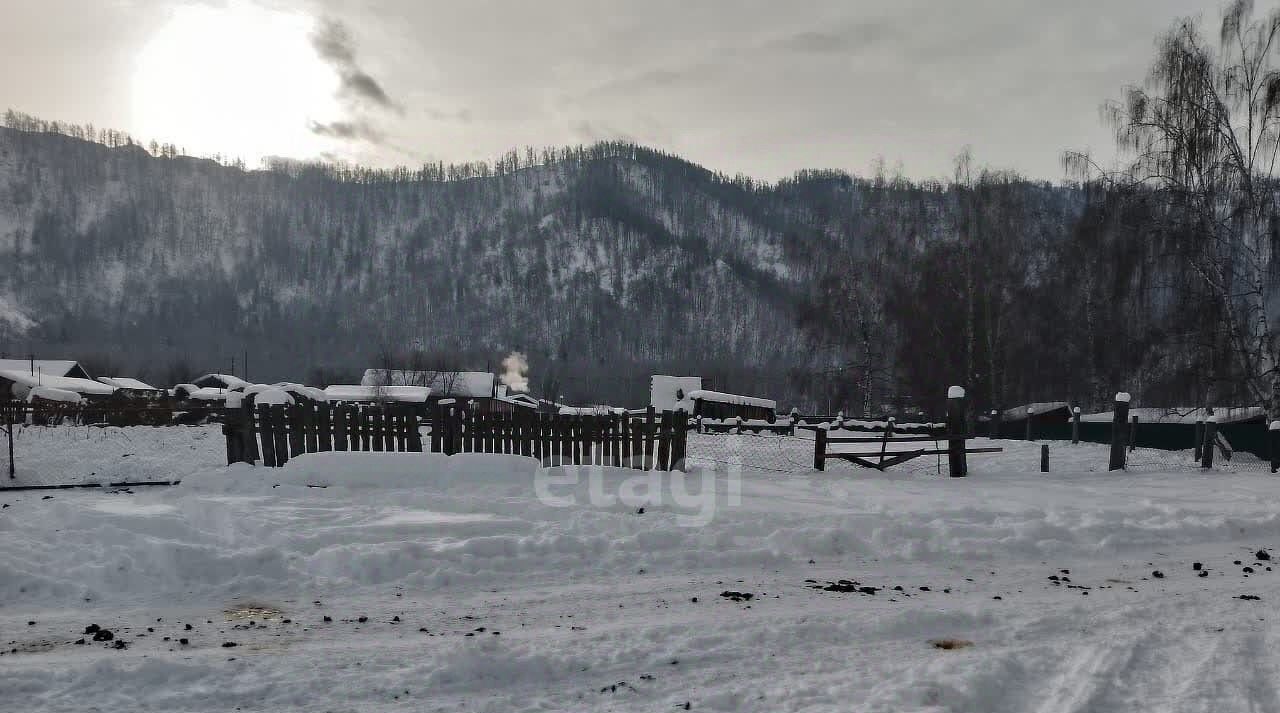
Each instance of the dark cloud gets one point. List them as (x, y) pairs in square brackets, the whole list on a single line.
[(334, 44), (356, 129)]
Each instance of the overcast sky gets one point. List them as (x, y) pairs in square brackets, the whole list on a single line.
[(758, 87)]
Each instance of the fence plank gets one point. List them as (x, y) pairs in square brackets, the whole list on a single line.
[(324, 422), (310, 427), (340, 427), (267, 429), (279, 436), (649, 436)]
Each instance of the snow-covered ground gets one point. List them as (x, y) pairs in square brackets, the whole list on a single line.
[(423, 582)]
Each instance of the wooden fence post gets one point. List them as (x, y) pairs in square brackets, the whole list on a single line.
[(378, 424), (649, 427), (664, 442), (997, 417), (340, 427), (310, 420), (1075, 426), (415, 429), (1133, 435), (1210, 439), (820, 448), (251, 452), (297, 430), (232, 435), (956, 458), (1044, 458), (1199, 438), (267, 428), (281, 434), (1273, 440), (1119, 426), (324, 423), (1031, 415)]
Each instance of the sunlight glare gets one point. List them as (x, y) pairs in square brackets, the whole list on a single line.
[(236, 79)]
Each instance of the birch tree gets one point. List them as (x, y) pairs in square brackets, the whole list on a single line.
[(1203, 133)]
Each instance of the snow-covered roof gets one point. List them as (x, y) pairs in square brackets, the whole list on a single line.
[(273, 396), (403, 394), (308, 392), (48, 393), (66, 383), (208, 394), (456, 384), (1042, 407), (590, 410), (735, 399), (125, 382), (48, 367), (227, 381), (237, 397)]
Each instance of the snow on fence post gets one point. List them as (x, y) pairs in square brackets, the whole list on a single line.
[(1075, 426), (1031, 415), (1210, 436), (1133, 434), (1199, 439), (1119, 425), (820, 448), (1273, 444), (956, 432)]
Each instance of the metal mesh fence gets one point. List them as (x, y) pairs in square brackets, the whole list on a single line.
[(787, 454), (767, 452), (1225, 459)]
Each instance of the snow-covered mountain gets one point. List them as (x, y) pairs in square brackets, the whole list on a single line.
[(604, 264)]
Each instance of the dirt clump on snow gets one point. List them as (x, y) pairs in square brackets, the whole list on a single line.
[(950, 644)]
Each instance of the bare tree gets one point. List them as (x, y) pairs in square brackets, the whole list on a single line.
[(1203, 133)]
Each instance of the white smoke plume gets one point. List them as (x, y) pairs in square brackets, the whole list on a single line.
[(515, 366)]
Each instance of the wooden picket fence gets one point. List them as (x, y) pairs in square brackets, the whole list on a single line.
[(275, 433), (649, 442)]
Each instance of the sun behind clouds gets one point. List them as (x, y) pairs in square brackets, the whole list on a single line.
[(237, 79)]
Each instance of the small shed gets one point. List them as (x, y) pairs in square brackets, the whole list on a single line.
[(46, 367), (718, 405)]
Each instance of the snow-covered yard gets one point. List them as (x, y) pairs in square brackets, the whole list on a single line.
[(422, 582)]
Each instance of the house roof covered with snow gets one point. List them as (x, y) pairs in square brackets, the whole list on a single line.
[(25, 380), (354, 393), (48, 367), (735, 399), (220, 381), (1020, 412), (445, 384), (125, 382)]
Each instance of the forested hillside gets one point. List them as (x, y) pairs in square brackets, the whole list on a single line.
[(603, 264)]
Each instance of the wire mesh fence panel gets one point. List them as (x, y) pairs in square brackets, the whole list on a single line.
[(1160, 460), (767, 452), (1156, 460), (793, 454)]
